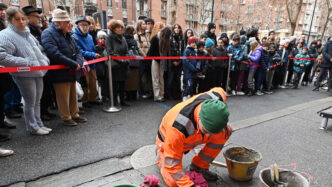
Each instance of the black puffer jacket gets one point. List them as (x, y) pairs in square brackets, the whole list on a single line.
[(211, 35), (176, 49), (116, 45), (327, 55), (204, 63), (219, 52), (36, 32)]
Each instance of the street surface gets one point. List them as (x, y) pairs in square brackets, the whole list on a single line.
[(283, 126)]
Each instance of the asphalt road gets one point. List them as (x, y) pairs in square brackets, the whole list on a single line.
[(120, 134)]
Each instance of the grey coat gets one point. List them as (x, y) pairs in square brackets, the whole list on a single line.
[(20, 48)]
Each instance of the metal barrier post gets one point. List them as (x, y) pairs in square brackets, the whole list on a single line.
[(111, 108), (228, 72)]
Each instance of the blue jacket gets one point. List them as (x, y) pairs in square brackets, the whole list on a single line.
[(86, 45), (62, 50), (274, 58), (189, 66), (297, 63), (255, 57), (285, 59), (265, 60), (238, 52)]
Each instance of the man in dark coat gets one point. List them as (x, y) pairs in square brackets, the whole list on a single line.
[(325, 66), (61, 49), (47, 100), (6, 82), (211, 32)]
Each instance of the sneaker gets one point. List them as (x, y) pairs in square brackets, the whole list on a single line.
[(80, 120), (208, 175), (294, 87), (250, 93), (268, 92), (46, 129), (233, 93), (6, 125), (283, 86), (240, 93), (185, 98), (40, 132), (6, 152), (259, 93), (70, 123)]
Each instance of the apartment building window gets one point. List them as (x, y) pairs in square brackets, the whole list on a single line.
[(39, 4), (109, 3), (124, 4), (163, 9), (141, 5), (250, 9), (15, 2)]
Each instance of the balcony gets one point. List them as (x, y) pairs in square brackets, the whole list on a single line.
[(143, 13), (90, 7)]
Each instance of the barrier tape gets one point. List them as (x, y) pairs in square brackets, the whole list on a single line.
[(55, 67), (51, 67)]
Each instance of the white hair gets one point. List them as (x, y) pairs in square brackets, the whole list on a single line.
[(100, 34)]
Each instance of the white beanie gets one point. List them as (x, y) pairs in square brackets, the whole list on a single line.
[(100, 34), (251, 39)]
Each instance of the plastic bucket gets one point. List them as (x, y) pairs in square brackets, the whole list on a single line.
[(126, 185), (241, 162), (293, 178)]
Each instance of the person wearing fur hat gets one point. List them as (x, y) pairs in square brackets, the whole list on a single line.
[(190, 69), (210, 33), (225, 38), (202, 119)]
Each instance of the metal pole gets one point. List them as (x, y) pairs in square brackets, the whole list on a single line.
[(212, 11), (313, 14), (111, 108), (228, 72)]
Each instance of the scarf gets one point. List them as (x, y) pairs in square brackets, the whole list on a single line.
[(101, 45)]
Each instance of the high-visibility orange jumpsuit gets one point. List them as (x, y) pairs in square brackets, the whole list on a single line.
[(179, 133)]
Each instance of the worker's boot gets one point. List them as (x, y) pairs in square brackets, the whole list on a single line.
[(208, 175)]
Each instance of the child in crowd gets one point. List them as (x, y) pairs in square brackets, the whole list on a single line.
[(202, 66), (242, 83), (274, 61), (300, 66), (263, 68), (220, 66), (189, 68), (235, 51), (254, 58)]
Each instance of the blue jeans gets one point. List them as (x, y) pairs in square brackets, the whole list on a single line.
[(12, 98), (189, 87), (259, 78), (31, 89)]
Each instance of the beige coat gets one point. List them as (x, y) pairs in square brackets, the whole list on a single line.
[(144, 45)]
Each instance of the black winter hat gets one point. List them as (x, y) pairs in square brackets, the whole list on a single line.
[(30, 9), (2, 5), (200, 44), (211, 26), (82, 18), (223, 35), (243, 32)]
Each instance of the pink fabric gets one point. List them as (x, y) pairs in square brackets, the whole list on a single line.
[(198, 179), (150, 181)]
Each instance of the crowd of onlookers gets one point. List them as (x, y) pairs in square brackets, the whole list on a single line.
[(256, 67)]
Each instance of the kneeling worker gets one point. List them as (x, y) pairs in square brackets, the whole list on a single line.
[(203, 119)]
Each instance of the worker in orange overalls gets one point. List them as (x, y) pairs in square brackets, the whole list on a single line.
[(203, 119)]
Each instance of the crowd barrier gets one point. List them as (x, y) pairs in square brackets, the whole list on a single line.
[(55, 67)]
